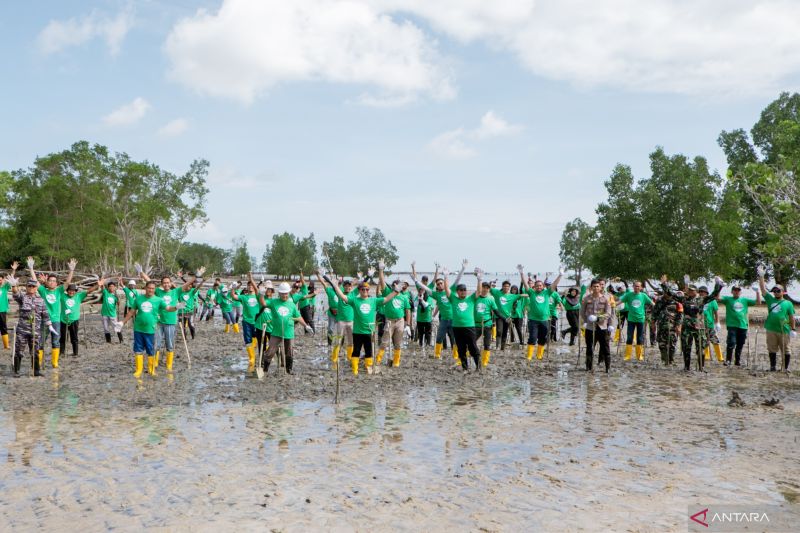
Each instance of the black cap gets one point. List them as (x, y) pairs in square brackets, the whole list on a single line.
[(32, 283), (72, 287), (461, 287), (702, 288)]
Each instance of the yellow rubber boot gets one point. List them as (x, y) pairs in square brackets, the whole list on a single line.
[(707, 353), (616, 336), (151, 365), (236, 327), (349, 351), (380, 356), (494, 333), (5, 341), (718, 352), (354, 365), (157, 360), (485, 358), (640, 352), (437, 350), (530, 352), (396, 358), (226, 329), (335, 354), (628, 350), (170, 359), (54, 356), (455, 353), (367, 364), (41, 357), (254, 342), (540, 352), (139, 366)]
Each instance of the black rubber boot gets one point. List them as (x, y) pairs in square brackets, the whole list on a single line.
[(108, 338), (36, 370), (786, 359), (588, 362), (288, 364), (773, 360), (687, 362), (17, 363), (119, 336)]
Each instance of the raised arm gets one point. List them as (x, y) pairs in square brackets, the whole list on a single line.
[(197, 275), (381, 279), (464, 264), (31, 271), (445, 273), (760, 270), (140, 271), (100, 283), (71, 265), (335, 284), (479, 276), (558, 279), (523, 280)]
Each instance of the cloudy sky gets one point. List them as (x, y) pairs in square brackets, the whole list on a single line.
[(459, 127)]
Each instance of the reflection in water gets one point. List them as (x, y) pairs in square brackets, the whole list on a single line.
[(419, 457)]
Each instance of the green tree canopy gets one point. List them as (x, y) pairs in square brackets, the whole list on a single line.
[(576, 244)]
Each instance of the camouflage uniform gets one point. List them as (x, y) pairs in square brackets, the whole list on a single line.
[(667, 315), (33, 316), (693, 329), (649, 320)]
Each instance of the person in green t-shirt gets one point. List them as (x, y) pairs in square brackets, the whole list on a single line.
[(343, 329), (249, 301), (518, 315), (780, 323), (263, 321), (108, 309), (365, 308), (168, 319), (186, 315), (425, 306), (144, 312), (462, 306), (711, 322), (284, 316), (53, 293), (635, 302), (485, 309), (209, 301), (5, 286), (538, 312), (236, 305), (443, 307), (737, 322), (505, 300), (71, 314)]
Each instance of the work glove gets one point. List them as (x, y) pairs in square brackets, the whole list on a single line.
[(180, 305), (592, 318), (309, 329), (760, 270), (611, 329), (407, 331), (717, 326)]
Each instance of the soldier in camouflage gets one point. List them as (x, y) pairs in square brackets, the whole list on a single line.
[(667, 316), (33, 316), (693, 327)]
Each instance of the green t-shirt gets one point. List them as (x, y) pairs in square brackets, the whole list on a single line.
[(130, 296), (52, 301), (344, 312), (250, 307), (264, 320), (736, 311), (443, 303), (425, 314), (211, 297), (147, 312), (463, 310), (708, 312), (236, 303), (505, 302), (299, 297), (519, 307), (364, 310), (779, 315), (484, 305), (108, 302), (71, 307), (635, 305), (224, 301), (333, 301), (396, 307), (555, 299), (171, 298), (190, 299), (539, 304), (283, 315), (4, 297)]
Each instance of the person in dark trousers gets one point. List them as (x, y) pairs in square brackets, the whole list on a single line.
[(600, 322)]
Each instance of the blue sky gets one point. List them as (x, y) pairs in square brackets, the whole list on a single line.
[(461, 128)]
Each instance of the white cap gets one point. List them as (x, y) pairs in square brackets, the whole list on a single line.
[(235, 284), (268, 284), (132, 282), (284, 288)]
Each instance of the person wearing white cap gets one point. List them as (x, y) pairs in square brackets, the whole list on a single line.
[(130, 295), (284, 316)]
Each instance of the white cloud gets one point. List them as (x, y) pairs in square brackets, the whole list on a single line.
[(61, 34), (712, 47), (232, 178), (173, 128), (128, 114), (249, 46), (458, 143)]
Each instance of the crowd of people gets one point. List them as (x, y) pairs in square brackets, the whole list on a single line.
[(368, 316)]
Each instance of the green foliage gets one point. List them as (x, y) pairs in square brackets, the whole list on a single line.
[(105, 209), (764, 175), (336, 256), (369, 247), (576, 246), (193, 255), (240, 257), (677, 221), (289, 255)]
